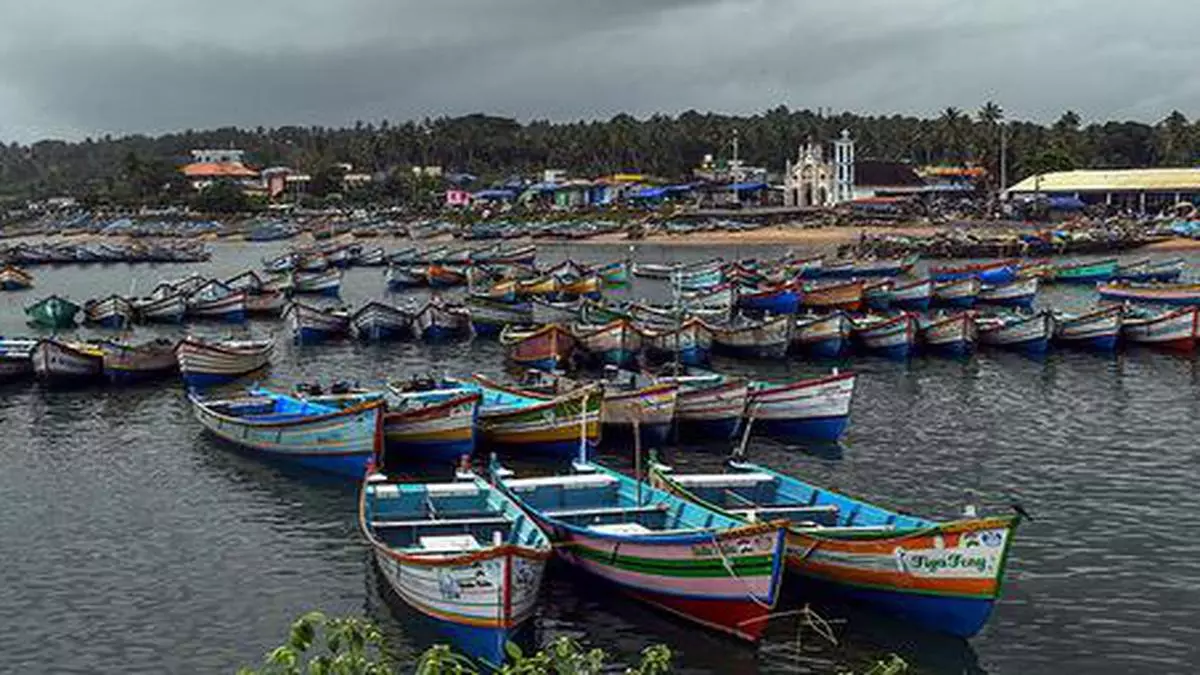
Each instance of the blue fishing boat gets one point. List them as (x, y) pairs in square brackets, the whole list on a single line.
[(1028, 333), (815, 410), (333, 436), (890, 336), (1147, 270), (1096, 331), (957, 293), (822, 336), (462, 554), (312, 324), (430, 421), (400, 278), (996, 272), (952, 334), (490, 316), (381, 322), (913, 296), (709, 407), (778, 299), (1019, 293)]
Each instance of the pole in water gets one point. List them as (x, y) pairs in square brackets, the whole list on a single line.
[(637, 457)]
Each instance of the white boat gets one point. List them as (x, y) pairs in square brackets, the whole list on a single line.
[(817, 409), (1027, 333), (205, 363), (16, 358), (315, 324), (379, 321), (168, 308), (327, 282), (438, 320), (768, 338), (57, 360), (1169, 329)]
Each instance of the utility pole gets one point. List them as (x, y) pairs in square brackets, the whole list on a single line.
[(735, 147), (1003, 157)]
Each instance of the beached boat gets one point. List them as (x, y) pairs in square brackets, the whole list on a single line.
[(890, 336), (431, 422), (380, 322), (1029, 333), (718, 298), (1148, 269), (400, 278), (1086, 272), (709, 407), (216, 301), (208, 363), (913, 296), (960, 293), (13, 278), (58, 361), (816, 409), (1019, 293), (490, 316), (649, 409), (462, 554), (1097, 330), (438, 320), (315, 324), (689, 343), (541, 287), (778, 299), (767, 339), (16, 358), (877, 294), (327, 282), (523, 422), (548, 347), (1158, 294), (166, 309), (941, 576), (827, 297), (993, 272), (700, 565), (332, 438), (126, 362), (616, 343), (822, 336), (952, 334), (53, 312), (520, 255), (111, 312), (372, 257), (584, 287), (1167, 329)]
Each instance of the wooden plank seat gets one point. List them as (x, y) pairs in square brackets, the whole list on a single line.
[(605, 511), (432, 522), (789, 511)]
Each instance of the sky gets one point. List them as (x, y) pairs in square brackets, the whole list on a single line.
[(77, 68)]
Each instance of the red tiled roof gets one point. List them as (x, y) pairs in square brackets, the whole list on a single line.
[(214, 170)]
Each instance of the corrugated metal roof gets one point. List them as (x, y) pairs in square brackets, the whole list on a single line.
[(1113, 180)]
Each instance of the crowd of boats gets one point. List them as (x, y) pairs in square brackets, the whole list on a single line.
[(104, 252)]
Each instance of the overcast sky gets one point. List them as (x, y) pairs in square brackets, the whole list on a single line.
[(73, 68)]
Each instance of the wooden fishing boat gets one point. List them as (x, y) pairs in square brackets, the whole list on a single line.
[(913, 296), (824, 336), (490, 316), (462, 554), (266, 302), (777, 299), (524, 422), (542, 287), (877, 294), (13, 278), (58, 361), (699, 276), (440, 276), (1158, 294), (768, 339), (438, 320), (434, 424), (709, 407), (380, 322), (941, 576), (111, 312), (585, 287), (827, 297), (126, 363), (700, 565), (166, 309), (1035, 269), (1029, 333), (1086, 272), (337, 439), (281, 263), (890, 336), (1097, 330), (722, 298), (315, 324), (53, 312), (1148, 269), (520, 255), (669, 316), (614, 273), (803, 268), (960, 293), (340, 257), (311, 261), (648, 409), (16, 359), (990, 272), (952, 334), (600, 312), (616, 343), (1019, 293), (248, 281), (850, 269), (372, 257), (548, 347), (327, 282), (400, 278), (816, 409), (545, 311), (407, 256), (1176, 330), (216, 301), (208, 363), (690, 343), (567, 270)]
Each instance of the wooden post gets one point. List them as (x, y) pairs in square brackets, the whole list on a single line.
[(637, 456)]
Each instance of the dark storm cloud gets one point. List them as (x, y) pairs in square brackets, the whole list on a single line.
[(70, 68)]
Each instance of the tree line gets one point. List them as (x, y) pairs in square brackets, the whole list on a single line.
[(142, 169)]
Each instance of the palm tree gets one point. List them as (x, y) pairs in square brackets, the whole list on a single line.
[(950, 130)]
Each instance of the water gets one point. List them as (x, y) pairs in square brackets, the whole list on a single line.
[(132, 542)]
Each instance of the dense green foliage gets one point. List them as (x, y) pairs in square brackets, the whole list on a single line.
[(140, 168)]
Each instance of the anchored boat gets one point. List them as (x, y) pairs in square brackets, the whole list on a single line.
[(208, 363)]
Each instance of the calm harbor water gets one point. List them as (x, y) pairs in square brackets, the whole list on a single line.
[(134, 543)]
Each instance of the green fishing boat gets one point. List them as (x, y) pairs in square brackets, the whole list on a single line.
[(1086, 272), (52, 312)]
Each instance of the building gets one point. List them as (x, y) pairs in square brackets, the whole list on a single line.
[(458, 197), (813, 181), (210, 166), (874, 178), (1139, 190), (220, 156)]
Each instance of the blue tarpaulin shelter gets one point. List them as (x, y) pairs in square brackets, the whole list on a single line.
[(649, 193)]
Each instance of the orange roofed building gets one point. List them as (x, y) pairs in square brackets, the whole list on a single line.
[(209, 166)]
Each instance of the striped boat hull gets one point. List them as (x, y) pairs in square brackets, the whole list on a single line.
[(133, 363), (311, 325), (328, 282), (379, 322), (848, 297), (1177, 330), (823, 337), (56, 362), (1029, 334), (617, 343), (168, 309), (206, 364), (812, 409), (1019, 293), (690, 343), (893, 338), (1166, 294), (653, 409), (767, 339), (711, 412), (552, 428), (915, 296), (954, 335), (436, 322), (1096, 331), (231, 308), (442, 432), (959, 293)]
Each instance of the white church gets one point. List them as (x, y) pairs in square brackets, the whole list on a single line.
[(813, 181)]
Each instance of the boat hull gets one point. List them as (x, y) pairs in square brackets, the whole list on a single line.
[(810, 410), (204, 364), (442, 432)]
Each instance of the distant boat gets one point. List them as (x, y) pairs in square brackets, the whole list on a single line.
[(462, 554), (53, 312), (614, 273), (214, 300), (1097, 330), (490, 316), (313, 324), (327, 282), (962, 293), (890, 336), (381, 322), (208, 363), (374, 257), (1025, 333), (816, 409), (316, 435), (877, 294), (438, 320), (266, 302), (1147, 269), (438, 276), (1159, 294), (700, 565), (953, 334), (849, 269), (169, 308), (585, 287), (1019, 293), (1176, 329), (616, 343), (16, 358), (401, 278), (690, 343), (546, 347), (993, 272), (555, 312), (60, 361), (650, 409), (111, 312), (523, 422), (776, 299), (434, 424), (1086, 272), (542, 287), (126, 362), (941, 576), (709, 407), (826, 337), (769, 338), (13, 278), (846, 296)]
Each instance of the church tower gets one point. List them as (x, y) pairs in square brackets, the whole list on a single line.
[(843, 164)]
